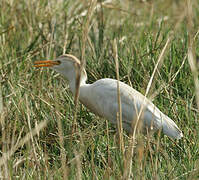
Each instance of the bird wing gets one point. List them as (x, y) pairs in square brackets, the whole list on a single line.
[(105, 93)]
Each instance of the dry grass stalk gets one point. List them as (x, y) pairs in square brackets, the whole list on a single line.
[(119, 118), (83, 61), (1, 101), (78, 165), (92, 162), (3, 170), (108, 152), (30, 130), (62, 150)]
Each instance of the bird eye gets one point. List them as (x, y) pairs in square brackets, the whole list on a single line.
[(58, 62)]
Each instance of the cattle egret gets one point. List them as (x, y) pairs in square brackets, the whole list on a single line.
[(101, 98)]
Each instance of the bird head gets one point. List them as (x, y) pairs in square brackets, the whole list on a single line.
[(67, 65)]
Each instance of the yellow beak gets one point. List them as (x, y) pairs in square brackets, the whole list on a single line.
[(46, 63)]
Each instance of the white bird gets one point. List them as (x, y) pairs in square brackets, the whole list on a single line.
[(101, 98)]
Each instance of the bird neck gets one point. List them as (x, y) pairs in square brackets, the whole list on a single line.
[(73, 82)]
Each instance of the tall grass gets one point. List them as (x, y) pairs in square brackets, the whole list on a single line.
[(37, 108)]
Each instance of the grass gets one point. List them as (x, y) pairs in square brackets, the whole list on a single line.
[(37, 108)]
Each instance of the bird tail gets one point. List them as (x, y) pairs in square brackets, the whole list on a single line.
[(171, 129)]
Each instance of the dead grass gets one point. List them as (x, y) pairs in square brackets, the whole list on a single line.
[(154, 48)]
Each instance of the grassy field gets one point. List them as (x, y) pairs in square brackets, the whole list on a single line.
[(37, 109)]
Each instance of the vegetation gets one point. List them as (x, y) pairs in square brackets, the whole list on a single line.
[(37, 110)]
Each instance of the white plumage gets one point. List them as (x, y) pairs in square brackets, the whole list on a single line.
[(101, 98)]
